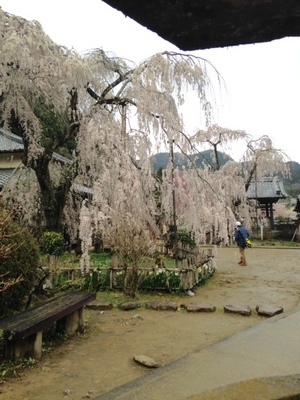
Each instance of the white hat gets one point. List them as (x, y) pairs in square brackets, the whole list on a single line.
[(238, 223)]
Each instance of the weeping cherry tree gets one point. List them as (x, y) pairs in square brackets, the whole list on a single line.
[(42, 97), (138, 106)]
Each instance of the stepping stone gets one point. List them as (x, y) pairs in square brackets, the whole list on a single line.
[(129, 305), (268, 311), (146, 361), (162, 306), (198, 307), (238, 309), (96, 305), (136, 317)]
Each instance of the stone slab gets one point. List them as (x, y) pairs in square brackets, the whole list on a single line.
[(238, 309), (146, 361), (129, 305), (162, 306), (199, 307), (268, 311)]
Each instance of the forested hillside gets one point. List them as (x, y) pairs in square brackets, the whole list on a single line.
[(292, 185), (161, 160)]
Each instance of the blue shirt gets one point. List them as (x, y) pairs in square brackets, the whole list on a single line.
[(240, 234)]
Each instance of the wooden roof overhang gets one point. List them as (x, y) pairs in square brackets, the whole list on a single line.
[(204, 24)]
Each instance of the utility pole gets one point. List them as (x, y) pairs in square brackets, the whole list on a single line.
[(123, 127), (174, 203)]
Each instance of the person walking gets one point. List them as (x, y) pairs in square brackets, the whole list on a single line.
[(241, 234)]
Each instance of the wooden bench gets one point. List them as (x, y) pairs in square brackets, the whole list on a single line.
[(23, 333)]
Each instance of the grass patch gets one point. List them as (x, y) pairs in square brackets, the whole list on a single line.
[(118, 297), (276, 243)]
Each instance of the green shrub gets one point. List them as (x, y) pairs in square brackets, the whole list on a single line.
[(183, 236), (22, 261), (52, 243)]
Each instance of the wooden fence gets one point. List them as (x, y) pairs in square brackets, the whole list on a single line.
[(188, 272)]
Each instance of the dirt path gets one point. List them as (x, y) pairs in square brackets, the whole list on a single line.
[(90, 365)]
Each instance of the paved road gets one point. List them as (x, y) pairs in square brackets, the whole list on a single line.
[(269, 349)]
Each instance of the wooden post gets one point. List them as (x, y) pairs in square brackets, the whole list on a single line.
[(72, 323), (28, 347)]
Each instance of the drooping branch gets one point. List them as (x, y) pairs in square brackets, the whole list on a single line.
[(194, 148), (196, 169)]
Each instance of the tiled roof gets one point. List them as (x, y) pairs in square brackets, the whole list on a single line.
[(5, 175), (270, 188), (9, 142), (64, 160)]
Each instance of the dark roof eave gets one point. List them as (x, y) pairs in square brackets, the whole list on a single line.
[(266, 199), (12, 151)]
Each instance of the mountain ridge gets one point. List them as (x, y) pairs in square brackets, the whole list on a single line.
[(161, 160)]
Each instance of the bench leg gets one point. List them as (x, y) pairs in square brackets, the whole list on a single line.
[(72, 323), (28, 347)]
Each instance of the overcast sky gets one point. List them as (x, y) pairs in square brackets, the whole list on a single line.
[(262, 80)]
